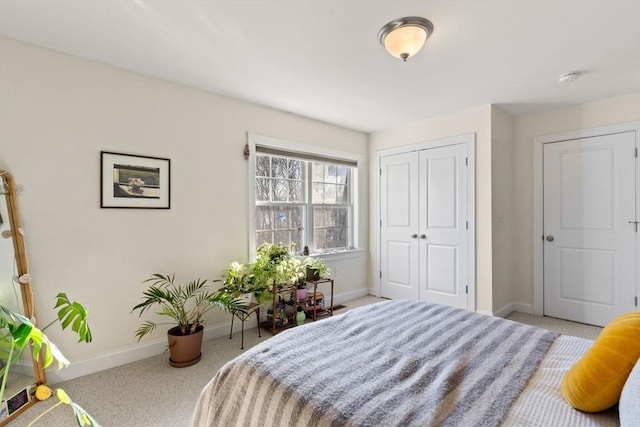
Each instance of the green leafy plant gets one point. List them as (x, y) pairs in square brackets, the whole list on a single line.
[(238, 279), (185, 305), (317, 264), (17, 333), (274, 265)]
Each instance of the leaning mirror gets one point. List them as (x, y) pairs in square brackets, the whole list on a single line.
[(15, 295)]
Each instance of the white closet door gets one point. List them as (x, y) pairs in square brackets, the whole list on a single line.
[(443, 227), (399, 226), (589, 248)]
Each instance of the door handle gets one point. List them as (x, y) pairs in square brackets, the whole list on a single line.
[(634, 223), (414, 236), (423, 236), (549, 238)]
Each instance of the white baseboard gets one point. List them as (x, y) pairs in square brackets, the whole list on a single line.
[(488, 313), (342, 298), (514, 306), (153, 348)]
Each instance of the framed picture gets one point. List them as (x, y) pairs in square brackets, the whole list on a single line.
[(130, 181)]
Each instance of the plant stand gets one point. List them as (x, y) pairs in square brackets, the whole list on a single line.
[(315, 311), (253, 307)]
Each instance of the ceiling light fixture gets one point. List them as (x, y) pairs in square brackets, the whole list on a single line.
[(404, 37), (568, 77)]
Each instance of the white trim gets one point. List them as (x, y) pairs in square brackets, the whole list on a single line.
[(266, 141), (486, 313), (505, 310), (538, 199), (469, 139), (126, 355)]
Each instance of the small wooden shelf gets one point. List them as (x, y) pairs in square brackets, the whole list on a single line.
[(284, 300)]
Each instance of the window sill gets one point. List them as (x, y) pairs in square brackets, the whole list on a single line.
[(339, 255)]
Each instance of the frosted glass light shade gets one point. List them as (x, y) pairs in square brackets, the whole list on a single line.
[(405, 42), (404, 37)]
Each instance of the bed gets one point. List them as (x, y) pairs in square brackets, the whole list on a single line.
[(404, 363)]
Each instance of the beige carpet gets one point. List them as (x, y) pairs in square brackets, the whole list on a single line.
[(151, 393), (563, 326)]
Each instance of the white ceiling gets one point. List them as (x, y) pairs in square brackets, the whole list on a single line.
[(322, 59)]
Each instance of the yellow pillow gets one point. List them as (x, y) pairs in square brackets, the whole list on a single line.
[(595, 382)]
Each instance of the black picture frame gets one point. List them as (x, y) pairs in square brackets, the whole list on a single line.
[(134, 181)]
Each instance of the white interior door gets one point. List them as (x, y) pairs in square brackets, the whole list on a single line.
[(443, 226), (590, 238), (399, 226)]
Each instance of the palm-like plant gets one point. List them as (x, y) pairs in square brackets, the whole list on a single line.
[(186, 305)]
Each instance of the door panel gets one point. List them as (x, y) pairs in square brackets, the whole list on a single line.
[(398, 265), (443, 207), (589, 199), (441, 270), (441, 194), (399, 221)]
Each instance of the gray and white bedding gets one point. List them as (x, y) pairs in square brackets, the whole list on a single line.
[(399, 363)]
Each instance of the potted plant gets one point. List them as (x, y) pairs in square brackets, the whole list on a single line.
[(316, 269), (186, 306), (18, 333), (274, 265), (237, 281)]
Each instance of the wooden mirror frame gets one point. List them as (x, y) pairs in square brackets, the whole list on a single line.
[(22, 268)]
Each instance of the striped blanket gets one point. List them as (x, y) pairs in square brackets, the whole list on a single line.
[(392, 363)]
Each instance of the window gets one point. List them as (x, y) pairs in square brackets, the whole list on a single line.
[(303, 200)]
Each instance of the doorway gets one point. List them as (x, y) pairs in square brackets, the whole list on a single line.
[(589, 238)]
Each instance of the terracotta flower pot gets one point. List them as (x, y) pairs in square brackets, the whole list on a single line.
[(185, 350)]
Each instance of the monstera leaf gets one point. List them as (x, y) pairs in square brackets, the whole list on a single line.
[(75, 315)]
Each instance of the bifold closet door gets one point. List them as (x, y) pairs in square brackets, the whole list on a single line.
[(399, 226), (443, 226), (423, 211)]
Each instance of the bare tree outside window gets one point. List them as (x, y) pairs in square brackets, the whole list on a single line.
[(301, 202)]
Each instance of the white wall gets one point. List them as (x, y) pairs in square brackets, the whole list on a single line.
[(526, 128), (57, 112), (478, 121), (501, 172)]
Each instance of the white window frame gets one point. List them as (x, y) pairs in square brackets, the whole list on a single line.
[(294, 148)]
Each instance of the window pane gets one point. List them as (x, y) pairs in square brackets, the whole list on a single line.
[(342, 173), (331, 227), (264, 218), (318, 172), (296, 218), (296, 192), (262, 165), (330, 174), (329, 193), (263, 237), (296, 243), (319, 237), (318, 193), (262, 189), (342, 194), (336, 237), (296, 168), (279, 167), (280, 190), (281, 236)]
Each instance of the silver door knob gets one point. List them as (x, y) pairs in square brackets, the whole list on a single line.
[(414, 236), (423, 236), (549, 238)]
